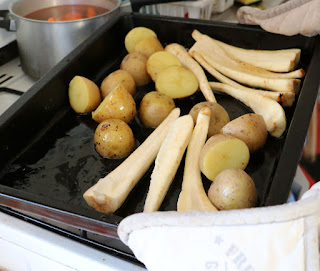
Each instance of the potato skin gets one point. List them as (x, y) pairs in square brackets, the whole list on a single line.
[(233, 189), (154, 108), (113, 138), (148, 46), (114, 79), (135, 64), (119, 104), (84, 95), (250, 128), (218, 119)]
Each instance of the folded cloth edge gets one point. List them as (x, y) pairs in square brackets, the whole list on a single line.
[(308, 205)]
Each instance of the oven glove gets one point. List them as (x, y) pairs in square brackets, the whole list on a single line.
[(290, 18), (277, 238)]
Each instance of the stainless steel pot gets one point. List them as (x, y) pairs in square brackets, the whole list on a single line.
[(43, 44)]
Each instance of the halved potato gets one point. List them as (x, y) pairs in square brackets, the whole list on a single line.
[(84, 95), (136, 35), (119, 104), (159, 61), (114, 79), (222, 152), (177, 82), (148, 46)]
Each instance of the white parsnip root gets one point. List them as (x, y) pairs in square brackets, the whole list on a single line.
[(286, 99), (188, 62), (284, 60), (168, 161), (111, 191), (193, 196), (272, 112), (243, 72)]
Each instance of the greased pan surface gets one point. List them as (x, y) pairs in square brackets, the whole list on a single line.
[(47, 150)]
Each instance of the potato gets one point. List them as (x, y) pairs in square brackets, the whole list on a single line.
[(136, 35), (250, 128), (84, 95), (233, 189), (113, 138), (159, 61), (114, 79), (119, 104), (177, 82), (222, 152), (154, 108), (148, 46), (135, 64), (218, 119)]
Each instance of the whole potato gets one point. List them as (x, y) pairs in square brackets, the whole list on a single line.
[(119, 104), (233, 189), (250, 128), (113, 138), (148, 46), (114, 79), (218, 119), (154, 108), (135, 64)]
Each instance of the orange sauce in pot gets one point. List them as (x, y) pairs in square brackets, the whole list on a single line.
[(66, 13)]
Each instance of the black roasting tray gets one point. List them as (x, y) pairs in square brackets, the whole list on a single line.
[(47, 156)]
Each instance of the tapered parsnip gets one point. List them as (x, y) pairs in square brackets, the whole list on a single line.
[(286, 99), (111, 191), (272, 112), (284, 60), (216, 57), (193, 195), (188, 62), (168, 161)]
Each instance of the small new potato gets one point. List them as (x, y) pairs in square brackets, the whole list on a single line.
[(218, 119), (135, 35), (148, 46), (222, 152), (113, 138), (119, 104), (154, 108), (250, 128), (135, 64), (233, 189), (116, 78), (177, 82), (84, 95), (159, 61)]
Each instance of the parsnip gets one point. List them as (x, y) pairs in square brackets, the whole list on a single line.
[(168, 161), (272, 112), (111, 191), (193, 195), (217, 59), (284, 60), (187, 61), (286, 99)]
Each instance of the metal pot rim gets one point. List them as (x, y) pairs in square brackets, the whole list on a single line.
[(11, 6)]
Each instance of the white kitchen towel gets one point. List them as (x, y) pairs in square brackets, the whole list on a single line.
[(277, 238), (290, 18)]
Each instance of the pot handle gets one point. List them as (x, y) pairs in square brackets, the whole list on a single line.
[(137, 4), (6, 22)]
